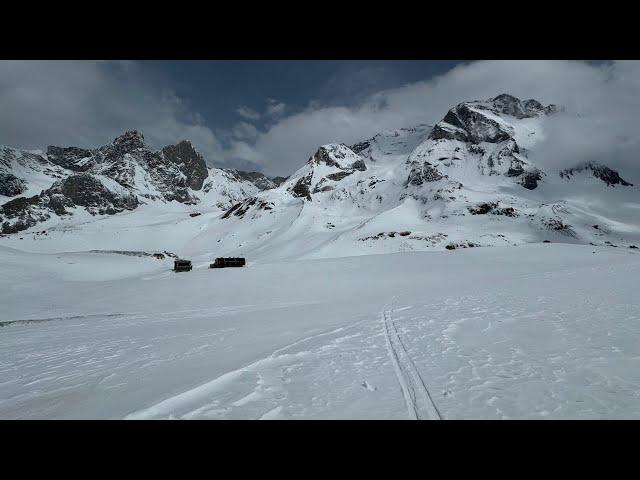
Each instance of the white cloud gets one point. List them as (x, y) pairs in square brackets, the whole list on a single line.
[(88, 104), (275, 108), (247, 113), (244, 131), (608, 94)]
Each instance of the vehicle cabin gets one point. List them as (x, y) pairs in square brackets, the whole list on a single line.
[(182, 265), (228, 262)]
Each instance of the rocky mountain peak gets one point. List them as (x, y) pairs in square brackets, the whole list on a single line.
[(188, 161), (131, 140), (607, 175), (467, 123), (259, 179), (509, 105), (339, 156)]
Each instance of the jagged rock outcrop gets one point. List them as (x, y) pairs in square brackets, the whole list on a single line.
[(302, 187), (604, 173), (87, 191), (259, 179), (171, 171), (279, 180), (331, 164), (18, 169), (467, 123), (10, 185), (77, 190), (529, 180), (339, 156), (420, 174), (189, 162), (109, 179)]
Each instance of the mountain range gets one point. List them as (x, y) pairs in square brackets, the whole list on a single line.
[(467, 181)]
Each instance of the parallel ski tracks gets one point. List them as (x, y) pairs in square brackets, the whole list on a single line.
[(420, 404)]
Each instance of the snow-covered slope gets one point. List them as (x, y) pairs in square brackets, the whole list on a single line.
[(538, 331), (25, 173)]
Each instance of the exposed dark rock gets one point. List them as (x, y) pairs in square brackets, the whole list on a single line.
[(510, 105), (558, 225), (420, 174), (533, 106), (130, 140), (359, 165), (482, 208), (604, 173), (82, 190), (189, 162), (233, 209), (530, 179), (506, 211), (359, 147), (239, 209), (322, 156), (173, 170), (301, 188), (10, 185), (279, 180), (469, 126), (516, 168), (551, 109), (73, 158), (259, 179), (464, 244), (87, 191), (15, 206), (336, 177)]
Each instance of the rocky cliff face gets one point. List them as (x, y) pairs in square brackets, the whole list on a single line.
[(602, 172), (110, 179), (260, 180), (97, 196), (170, 174)]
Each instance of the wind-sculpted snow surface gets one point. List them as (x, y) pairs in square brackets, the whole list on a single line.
[(538, 331)]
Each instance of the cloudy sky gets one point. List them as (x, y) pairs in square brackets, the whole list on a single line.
[(272, 115)]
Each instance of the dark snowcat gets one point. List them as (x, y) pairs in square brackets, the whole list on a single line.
[(182, 265), (228, 262)]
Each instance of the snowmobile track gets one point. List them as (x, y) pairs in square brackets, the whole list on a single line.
[(420, 405)]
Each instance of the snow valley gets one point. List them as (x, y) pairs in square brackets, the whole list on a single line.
[(437, 271)]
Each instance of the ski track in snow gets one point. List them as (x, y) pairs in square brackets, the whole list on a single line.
[(203, 393), (420, 405)]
